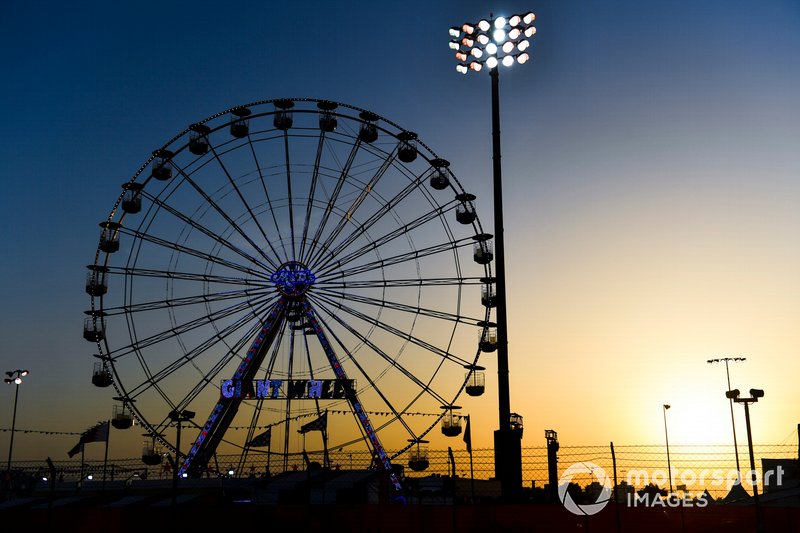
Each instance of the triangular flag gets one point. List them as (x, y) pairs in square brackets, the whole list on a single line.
[(315, 425), (262, 440)]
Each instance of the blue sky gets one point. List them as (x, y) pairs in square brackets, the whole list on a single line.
[(650, 161)]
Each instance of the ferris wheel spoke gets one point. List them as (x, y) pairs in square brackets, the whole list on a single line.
[(230, 354), (387, 207), (312, 190), (414, 310), (134, 272), (155, 378), (244, 201), (287, 161), (275, 353), (391, 329), (204, 230), (186, 327), (269, 202), (378, 350), (362, 371), (227, 218), (397, 259), (210, 258), (205, 298), (381, 241), (394, 283), (362, 195), (332, 201)]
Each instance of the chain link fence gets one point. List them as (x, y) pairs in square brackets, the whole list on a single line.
[(694, 468)]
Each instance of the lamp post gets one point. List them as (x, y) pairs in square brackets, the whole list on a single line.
[(491, 43), (755, 394), (178, 416), (666, 436), (727, 360), (15, 377)]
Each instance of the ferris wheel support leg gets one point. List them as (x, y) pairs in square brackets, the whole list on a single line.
[(363, 418), (223, 413)]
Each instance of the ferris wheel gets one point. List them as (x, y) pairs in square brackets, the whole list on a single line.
[(285, 262)]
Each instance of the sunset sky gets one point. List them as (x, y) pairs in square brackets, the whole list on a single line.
[(650, 163)]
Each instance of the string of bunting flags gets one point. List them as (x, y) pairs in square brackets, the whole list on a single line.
[(336, 412), (40, 431)]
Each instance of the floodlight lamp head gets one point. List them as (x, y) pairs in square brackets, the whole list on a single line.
[(667, 406), (455, 32), (732, 394), (24, 373), (757, 393)]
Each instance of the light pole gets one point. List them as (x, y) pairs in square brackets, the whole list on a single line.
[(493, 42), (755, 394), (178, 417), (727, 360), (15, 377), (666, 436)]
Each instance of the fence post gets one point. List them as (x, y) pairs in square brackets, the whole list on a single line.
[(616, 485)]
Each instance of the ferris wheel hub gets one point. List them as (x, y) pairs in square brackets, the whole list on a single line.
[(293, 279)]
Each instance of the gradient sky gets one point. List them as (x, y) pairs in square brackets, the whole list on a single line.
[(650, 157)]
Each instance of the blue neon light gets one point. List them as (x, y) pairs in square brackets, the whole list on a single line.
[(357, 407), (244, 366), (293, 279)]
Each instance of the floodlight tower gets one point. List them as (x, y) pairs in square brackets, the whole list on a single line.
[(492, 43), (15, 377), (727, 360)]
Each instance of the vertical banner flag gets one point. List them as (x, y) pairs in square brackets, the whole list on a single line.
[(468, 436)]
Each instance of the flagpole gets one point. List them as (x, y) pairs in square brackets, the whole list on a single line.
[(326, 460), (105, 457), (83, 445), (468, 440), (471, 477)]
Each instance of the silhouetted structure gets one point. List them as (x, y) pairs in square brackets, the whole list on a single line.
[(552, 465)]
